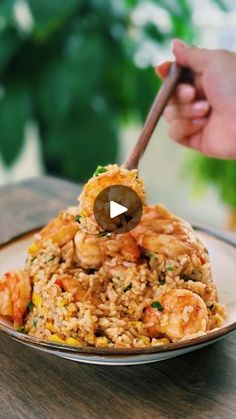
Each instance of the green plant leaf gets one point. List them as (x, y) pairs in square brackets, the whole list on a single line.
[(15, 110), (147, 85), (6, 12), (221, 4), (77, 77), (50, 15), (76, 146), (181, 28), (74, 77), (185, 8), (9, 42), (210, 171), (152, 31), (132, 3)]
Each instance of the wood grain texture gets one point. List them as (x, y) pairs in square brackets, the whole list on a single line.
[(201, 384), (32, 203)]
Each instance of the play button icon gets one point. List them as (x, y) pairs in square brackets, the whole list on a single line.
[(117, 209)]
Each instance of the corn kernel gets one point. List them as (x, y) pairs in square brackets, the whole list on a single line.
[(102, 342), (91, 338), (33, 248), (37, 299), (55, 338), (145, 340), (73, 341), (161, 341), (83, 213), (44, 312), (136, 324), (61, 303), (27, 328), (50, 327)]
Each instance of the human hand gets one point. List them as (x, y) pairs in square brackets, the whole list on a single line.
[(203, 116)]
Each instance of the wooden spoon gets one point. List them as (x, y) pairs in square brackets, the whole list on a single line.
[(176, 74)]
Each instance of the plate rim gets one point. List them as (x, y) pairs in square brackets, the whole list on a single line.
[(121, 352)]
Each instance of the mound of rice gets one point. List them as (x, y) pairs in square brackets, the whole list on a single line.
[(100, 294)]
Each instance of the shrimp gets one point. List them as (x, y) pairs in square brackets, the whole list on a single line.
[(5, 298), (160, 231), (177, 314), (91, 251), (115, 271), (122, 245), (111, 175), (72, 284), (88, 250), (15, 295), (60, 230)]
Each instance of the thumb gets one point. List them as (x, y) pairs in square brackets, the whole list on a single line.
[(192, 57)]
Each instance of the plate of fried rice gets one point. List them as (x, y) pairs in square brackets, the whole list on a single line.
[(160, 290)]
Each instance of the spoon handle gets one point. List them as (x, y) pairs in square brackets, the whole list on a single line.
[(175, 75)]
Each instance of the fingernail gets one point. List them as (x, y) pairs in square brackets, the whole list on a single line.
[(202, 105), (198, 121)]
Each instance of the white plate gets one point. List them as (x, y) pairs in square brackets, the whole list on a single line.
[(223, 258)]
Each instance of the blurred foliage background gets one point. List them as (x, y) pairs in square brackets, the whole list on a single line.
[(69, 66), (73, 68)]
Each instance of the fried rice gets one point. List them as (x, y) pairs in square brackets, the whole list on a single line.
[(148, 287)]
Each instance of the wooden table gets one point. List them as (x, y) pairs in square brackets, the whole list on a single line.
[(201, 384)]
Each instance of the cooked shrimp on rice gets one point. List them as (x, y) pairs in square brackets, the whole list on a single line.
[(149, 287)]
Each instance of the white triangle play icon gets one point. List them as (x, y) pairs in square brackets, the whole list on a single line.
[(116, 209)]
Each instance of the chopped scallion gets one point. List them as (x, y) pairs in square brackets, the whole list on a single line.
[(149, 254), (157, 305), (128, 287), (78, 218), (21, 329), (30, 305), (99, 170)]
